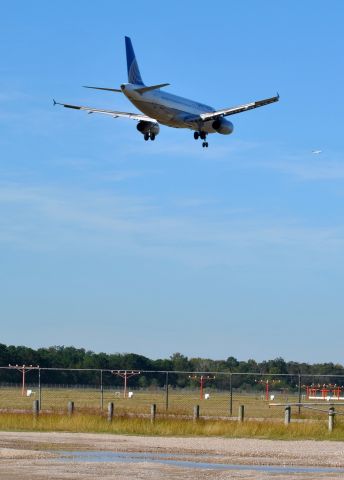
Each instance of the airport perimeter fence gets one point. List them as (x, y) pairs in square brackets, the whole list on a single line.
[(218, 394)]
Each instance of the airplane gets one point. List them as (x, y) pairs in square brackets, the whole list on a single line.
[(160, 107)]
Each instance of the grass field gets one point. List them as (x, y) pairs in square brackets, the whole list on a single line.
[(169, 426), (179, 402)]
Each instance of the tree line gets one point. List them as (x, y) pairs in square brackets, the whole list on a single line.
[(69, 357)]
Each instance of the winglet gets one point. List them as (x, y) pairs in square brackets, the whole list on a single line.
[(54, 102)]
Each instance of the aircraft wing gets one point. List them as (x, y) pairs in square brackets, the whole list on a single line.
[(111, 113), (240, 108)]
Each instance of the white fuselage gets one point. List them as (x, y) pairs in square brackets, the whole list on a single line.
[(171, 110)]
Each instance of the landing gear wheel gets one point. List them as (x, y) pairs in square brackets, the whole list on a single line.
[(203, 135), (196, 135), (152, 136), (146, 136)]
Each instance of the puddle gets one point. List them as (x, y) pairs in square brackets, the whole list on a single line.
[(168, 459)]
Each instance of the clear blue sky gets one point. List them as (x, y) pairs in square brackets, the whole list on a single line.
[(119, 245)]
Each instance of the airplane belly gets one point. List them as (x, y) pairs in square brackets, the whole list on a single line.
[(164, 115), (171, 117)]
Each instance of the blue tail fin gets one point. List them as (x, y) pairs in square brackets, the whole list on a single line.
[(134, 75)]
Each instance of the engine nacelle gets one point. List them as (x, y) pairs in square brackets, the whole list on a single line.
[(223, 126), (148, 127)]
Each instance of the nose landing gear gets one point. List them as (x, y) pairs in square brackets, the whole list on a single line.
[(203, 136)]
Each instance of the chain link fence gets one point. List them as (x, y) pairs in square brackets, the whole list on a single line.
[(219, 394)]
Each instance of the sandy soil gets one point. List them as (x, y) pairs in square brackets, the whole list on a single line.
[(28, 456)]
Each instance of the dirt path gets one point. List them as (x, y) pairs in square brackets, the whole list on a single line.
[(28, 456)]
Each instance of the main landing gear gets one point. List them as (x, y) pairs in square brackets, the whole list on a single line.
[(202, 136), (148, 136)]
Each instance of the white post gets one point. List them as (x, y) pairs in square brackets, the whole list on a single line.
[(287, 415)]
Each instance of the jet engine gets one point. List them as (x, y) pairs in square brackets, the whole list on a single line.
[(223, 126), (148, 129)]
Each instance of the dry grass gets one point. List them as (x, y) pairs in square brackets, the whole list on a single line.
[(170, 427), (180, 402)]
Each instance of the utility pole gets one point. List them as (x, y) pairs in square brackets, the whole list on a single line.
[(201, 379), (125, 374), (267, 384), (23, 369)]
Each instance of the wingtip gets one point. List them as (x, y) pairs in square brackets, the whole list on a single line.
[(54, 102)]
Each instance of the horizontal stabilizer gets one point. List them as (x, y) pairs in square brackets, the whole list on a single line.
[(152, 87), (103, 88)]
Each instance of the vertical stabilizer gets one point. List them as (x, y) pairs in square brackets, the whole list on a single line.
[(134, 75)]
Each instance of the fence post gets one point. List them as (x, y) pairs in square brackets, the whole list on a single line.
[(110, 412), (153, 412), (101, 391), (195, 413), (35, 408), (166, 392), (287, 415), (39, 389), (241, 415), (331, 415), (299, 391), (70, 408), (230, 396)]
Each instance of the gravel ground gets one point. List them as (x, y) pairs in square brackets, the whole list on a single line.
[(28, 456)]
